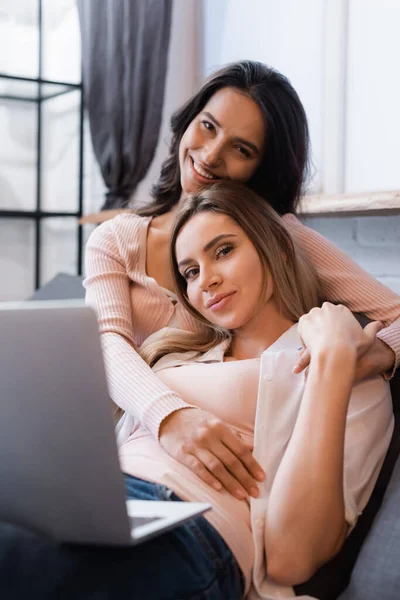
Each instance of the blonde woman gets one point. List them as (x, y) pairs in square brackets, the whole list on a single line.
[(319, 440), (237, 271)]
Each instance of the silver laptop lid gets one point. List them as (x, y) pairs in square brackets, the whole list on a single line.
[(59, 469)]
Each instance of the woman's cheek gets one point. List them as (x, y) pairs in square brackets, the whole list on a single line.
[(190, 137), (192, 297)]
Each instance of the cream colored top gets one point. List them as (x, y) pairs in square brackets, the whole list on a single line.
[(260, 398)]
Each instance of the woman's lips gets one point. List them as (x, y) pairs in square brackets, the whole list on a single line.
[(221, 303), (197, 175)]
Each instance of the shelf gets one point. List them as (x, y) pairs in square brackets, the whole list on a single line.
[(375, 203), (29, 89), (342, 205)]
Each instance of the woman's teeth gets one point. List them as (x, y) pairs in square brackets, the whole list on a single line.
[(201, 171)]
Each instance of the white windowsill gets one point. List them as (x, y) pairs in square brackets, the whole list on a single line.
[(375, 203)]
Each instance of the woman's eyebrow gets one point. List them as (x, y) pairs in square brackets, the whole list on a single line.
[(237, 139), (208, 247)]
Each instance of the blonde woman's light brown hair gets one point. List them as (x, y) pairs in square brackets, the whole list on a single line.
[(296, 285)]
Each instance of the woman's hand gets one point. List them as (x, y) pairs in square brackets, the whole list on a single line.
[(378, 359), (212, 450), (335, 326)]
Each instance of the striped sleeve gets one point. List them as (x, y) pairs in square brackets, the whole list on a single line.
[(132, 384), (345, 282)]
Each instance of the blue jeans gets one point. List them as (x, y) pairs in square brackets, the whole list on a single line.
[(191, 562)]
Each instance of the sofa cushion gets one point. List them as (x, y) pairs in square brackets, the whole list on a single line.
[(61, 287), (377, 572)]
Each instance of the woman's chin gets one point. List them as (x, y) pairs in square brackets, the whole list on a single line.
[(230, 324), (189, 186), (189, 183)]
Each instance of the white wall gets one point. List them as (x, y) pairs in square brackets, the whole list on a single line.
[(287, 35), (372, 141), (373, 97), (296, 38)]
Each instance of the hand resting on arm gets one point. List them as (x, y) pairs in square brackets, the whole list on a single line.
[(378, 358), (212, 450)]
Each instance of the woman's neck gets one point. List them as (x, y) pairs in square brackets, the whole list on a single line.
[(260, 333), (163, 223)]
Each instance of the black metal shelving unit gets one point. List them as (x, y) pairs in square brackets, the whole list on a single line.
[(46, 89)]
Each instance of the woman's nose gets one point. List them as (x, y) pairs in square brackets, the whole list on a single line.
[(209, 280), (212, 155)]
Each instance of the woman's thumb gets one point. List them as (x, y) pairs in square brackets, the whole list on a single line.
[(372, 329)]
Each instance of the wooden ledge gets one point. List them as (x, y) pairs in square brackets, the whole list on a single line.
[(375, 203), (102, 216)]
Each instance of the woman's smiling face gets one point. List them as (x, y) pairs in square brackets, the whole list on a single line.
[(222, 269), (224, 141)]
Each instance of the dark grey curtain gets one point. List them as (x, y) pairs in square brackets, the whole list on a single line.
[(124, 56)]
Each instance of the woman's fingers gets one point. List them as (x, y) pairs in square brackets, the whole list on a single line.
[(370, 332), (198, 466), (234, 474), (225, 454), (369, 335), (233, 458), (219, 468), (212, 450), (366, 347), (303, 361), (248, 444), (243, 454)]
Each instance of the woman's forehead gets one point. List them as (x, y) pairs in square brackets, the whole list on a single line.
[(236, 112), (202, 228)]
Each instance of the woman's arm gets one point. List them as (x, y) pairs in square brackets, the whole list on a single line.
[(345, 282), (190, 439), (132, 384), (305, 521)]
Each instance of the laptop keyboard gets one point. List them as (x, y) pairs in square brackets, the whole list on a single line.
[(138, 521)]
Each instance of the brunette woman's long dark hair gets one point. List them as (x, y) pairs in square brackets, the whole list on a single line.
[(283, 171)]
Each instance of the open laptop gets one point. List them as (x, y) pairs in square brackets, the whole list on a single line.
[(59, 470)]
